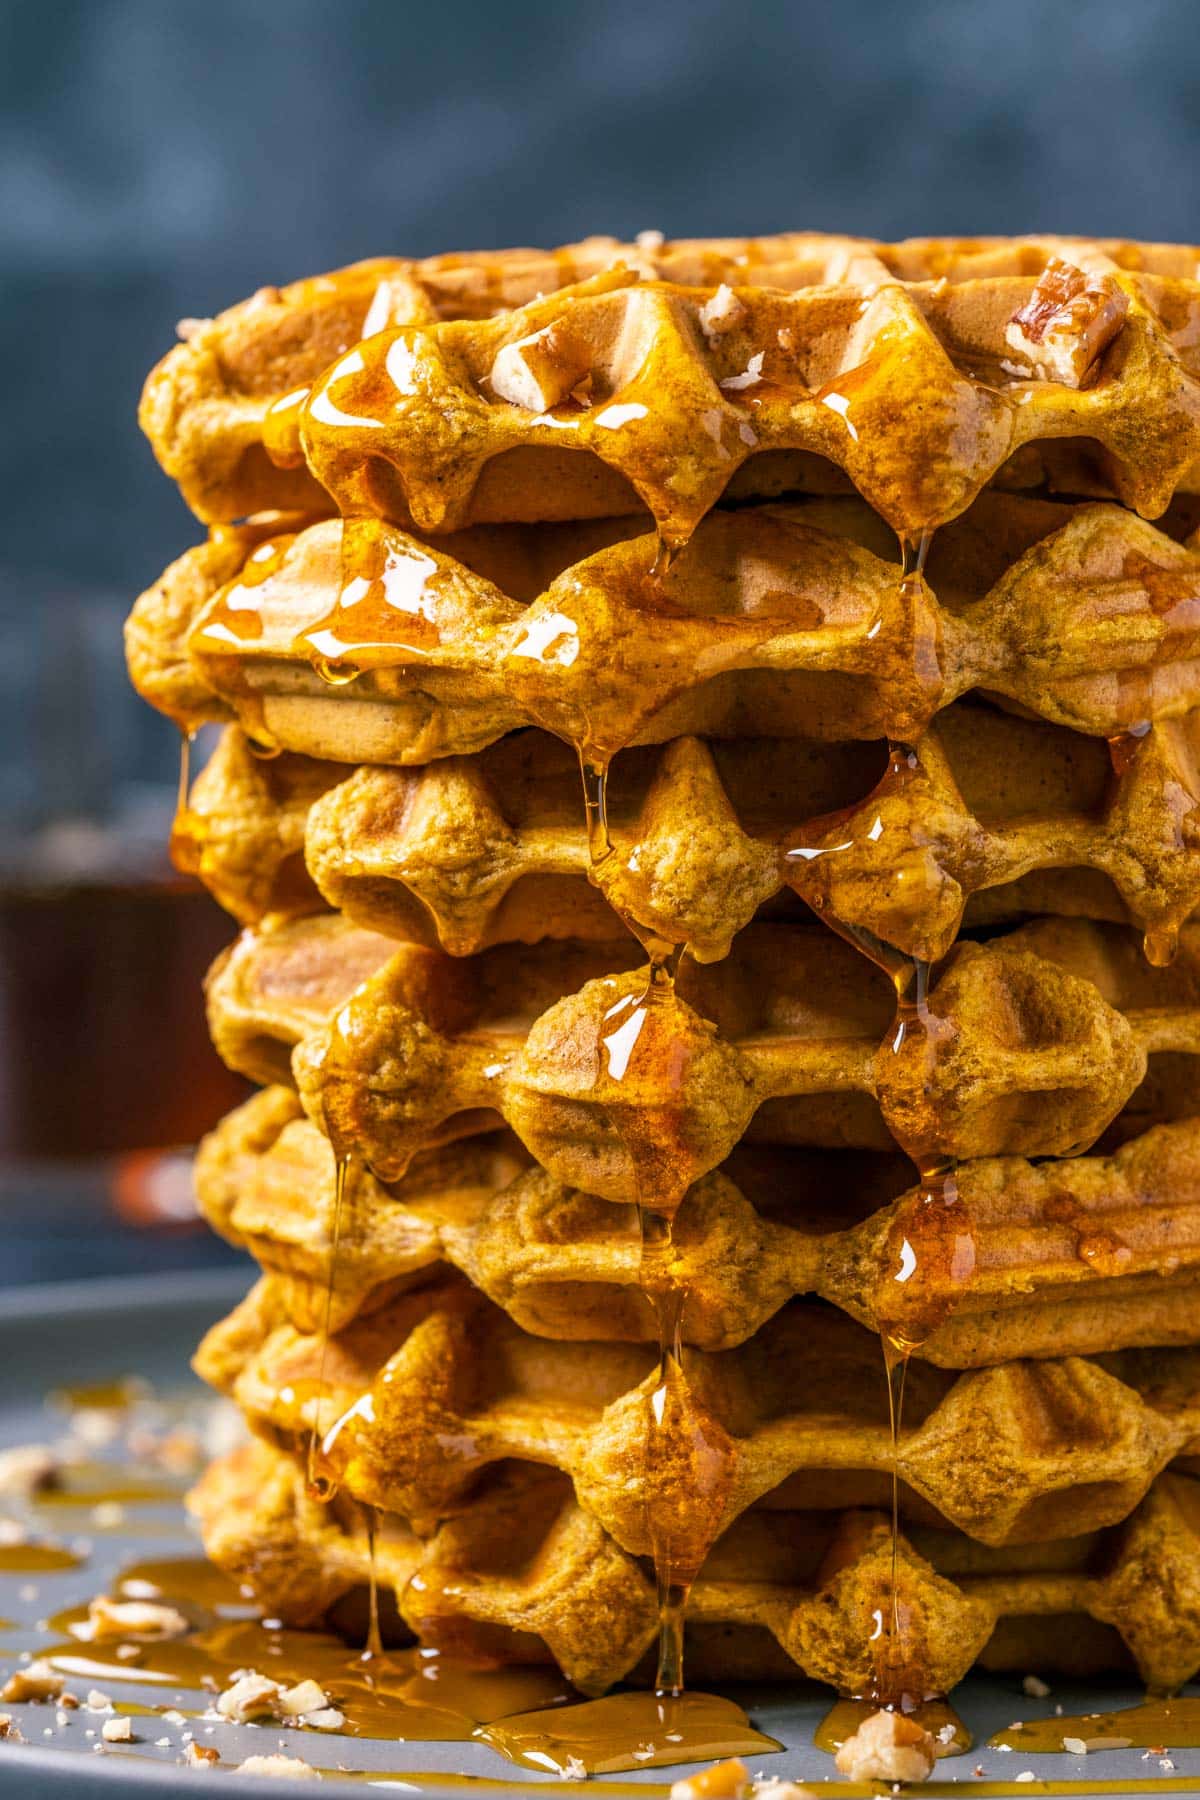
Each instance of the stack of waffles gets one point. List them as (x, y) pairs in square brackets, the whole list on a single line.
[(711, 794)]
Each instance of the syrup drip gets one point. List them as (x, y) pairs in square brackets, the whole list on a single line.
[(935, 1254), (595, 807), (932, 1241), (896, 1367), (186, 842), (1124, 746), (664, 957), (912, 556), (1160, 945), (186, 740), (672, 1419), (667, 1296), (665, 553), (374, 1646), (321, 1483)]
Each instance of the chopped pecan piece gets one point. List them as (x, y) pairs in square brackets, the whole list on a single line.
[(1067, 323), (539, 371), (887, 1747)]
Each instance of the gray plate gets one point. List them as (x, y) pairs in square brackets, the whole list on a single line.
[(96, 1331)]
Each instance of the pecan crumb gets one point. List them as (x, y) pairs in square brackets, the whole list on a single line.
[(279, 1765)]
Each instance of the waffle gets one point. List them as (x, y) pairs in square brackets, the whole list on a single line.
[(576, 1250), (574, 383), (420, 1396), (1099, 1253), (788, 620), (995, 816), (1031, 1045), (206, 402), (242, 830), (525, 1574)]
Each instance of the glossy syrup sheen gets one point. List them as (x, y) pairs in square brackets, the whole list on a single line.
[(1156, 1723), (37, 1559), (527, 1714), (628, 1731)]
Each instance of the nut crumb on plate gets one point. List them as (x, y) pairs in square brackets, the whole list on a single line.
[(279, 1765), (323, 1718), (38, 1681), (117, 1731), (251, 1696), (307, 1696), (109, 1618), (29, 1469), (200, 1756)]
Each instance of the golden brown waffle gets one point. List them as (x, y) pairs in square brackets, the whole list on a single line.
[(261, 1005), (1097, 1253), (205, 403), (156, 630), (414, 1400), (1030, 1046), (520, 385), (994, 816), (242, 831), (360, 643), (525, 1574)]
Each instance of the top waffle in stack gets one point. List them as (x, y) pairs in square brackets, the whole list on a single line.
[(872, 571)]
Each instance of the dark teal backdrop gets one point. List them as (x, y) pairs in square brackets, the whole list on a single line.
[(162, 157)]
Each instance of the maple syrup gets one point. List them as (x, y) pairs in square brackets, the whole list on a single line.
[(627, 1731), (321, 1480), (383, 613), (374, 1644), (101, 1483), (1171, 1724), (37, 1559), (682, 1521), (401, 1694)]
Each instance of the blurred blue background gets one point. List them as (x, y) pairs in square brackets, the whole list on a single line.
[(166, 157), (162, 158)]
